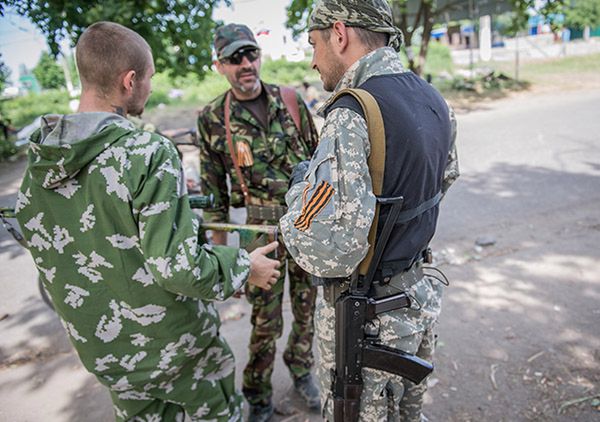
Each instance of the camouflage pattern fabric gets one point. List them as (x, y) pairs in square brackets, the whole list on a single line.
[(410, 330), (276, 152), (232, 37), (337, 239), (111, 232), (452, 171), (374, 15), (267, 323)]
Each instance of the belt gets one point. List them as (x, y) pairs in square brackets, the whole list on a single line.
[(265, 212), (401, 282)]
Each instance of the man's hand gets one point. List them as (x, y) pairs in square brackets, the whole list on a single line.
[(263, 271), (298, 173)]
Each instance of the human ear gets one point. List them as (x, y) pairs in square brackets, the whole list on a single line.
[(219, 66), (339, 32), (128, 80)]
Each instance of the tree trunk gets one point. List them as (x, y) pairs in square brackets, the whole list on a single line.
[(426, 37)]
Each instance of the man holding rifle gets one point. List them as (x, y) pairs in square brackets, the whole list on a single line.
[(105, 212), (374, 321)]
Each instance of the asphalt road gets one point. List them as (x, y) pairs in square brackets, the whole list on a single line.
[(519, 334)]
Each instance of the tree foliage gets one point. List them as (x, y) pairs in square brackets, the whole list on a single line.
[(427, 14), (48, 72), (178, 31), (4, 74), (583, 13)]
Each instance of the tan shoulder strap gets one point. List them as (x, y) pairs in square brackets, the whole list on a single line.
[(238, 171), (288, 95), (376, 160)]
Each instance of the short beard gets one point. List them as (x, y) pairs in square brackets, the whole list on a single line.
[(134, 108), (336, 74), (253, 88)]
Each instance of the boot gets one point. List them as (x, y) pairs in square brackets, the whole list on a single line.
[(260, 412), (308, 390)]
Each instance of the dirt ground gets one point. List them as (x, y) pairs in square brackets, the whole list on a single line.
[(519, 336)]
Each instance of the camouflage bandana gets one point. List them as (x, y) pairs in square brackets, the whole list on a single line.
[(232, 37), (374, 15)]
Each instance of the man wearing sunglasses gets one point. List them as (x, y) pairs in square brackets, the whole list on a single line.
[(252, 134)]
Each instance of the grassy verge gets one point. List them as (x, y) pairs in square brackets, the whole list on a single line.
[(565, 73)]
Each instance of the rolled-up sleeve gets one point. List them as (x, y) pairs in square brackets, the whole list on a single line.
[(331, 211)]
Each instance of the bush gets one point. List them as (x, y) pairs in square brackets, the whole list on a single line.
[(285, 73), (7, 148), (439, 59), (23, 110), (197, 92)]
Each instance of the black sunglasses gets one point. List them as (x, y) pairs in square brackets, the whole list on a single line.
[(238, 57)]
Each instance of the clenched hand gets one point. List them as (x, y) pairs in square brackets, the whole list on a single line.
[(263, 271)]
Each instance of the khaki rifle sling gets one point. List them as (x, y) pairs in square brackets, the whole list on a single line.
[(238, 171), (376, 160)]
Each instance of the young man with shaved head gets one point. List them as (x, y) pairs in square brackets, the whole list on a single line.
[(105, 211)]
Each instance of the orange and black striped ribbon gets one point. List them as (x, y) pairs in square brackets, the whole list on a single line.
[(314, 206)]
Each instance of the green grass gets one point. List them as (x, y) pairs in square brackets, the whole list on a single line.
[(537, 70)]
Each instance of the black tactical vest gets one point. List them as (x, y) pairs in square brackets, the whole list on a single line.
[(417, 132)]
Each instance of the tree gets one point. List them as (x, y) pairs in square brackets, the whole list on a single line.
[(178, 31), (414, 15), (48, 72), (4, 74), (582, 13)]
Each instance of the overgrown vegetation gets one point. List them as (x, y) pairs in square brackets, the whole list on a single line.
[(48, 72), (23, 110), (7, 148), (190, 91)]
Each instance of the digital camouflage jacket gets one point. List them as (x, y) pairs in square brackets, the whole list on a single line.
[(105, 211), (275, 151), (336, 194)]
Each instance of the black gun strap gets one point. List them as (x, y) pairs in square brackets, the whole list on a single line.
[(408, 215)]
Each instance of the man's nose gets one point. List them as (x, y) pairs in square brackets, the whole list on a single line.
[(245, 62)]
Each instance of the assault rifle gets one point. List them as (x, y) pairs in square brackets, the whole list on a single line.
[(247, 232), (355, 348)]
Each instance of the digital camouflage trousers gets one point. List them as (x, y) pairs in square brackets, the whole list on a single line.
[(385, 396)]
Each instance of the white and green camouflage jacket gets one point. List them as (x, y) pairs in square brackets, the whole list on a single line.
[(105, 211)]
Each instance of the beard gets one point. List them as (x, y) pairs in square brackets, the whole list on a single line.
[(136, 104), (246, 87), (332, 76)]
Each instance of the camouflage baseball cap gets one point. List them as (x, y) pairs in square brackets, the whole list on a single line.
[(374, 15), (230, 38)]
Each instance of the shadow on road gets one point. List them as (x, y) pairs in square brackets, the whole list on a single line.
[(519, 332)]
